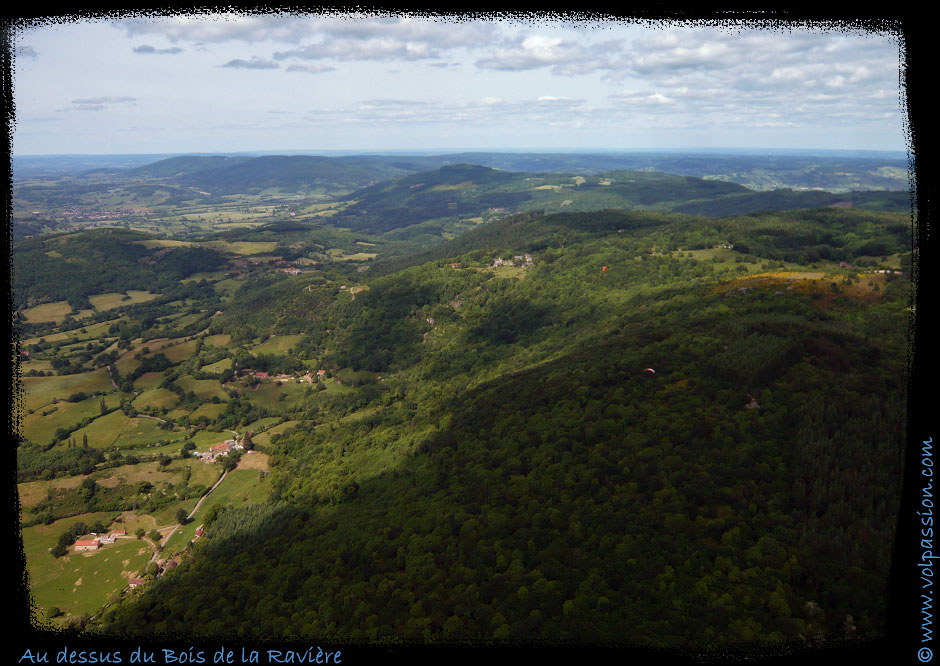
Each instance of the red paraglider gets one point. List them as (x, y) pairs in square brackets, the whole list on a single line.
[(649, 370)]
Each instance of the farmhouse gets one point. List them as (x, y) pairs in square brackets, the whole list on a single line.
[(87, 544), (135, 582), (224, 447)]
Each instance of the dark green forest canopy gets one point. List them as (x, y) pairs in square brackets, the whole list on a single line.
[(646, 453), (72, 267)]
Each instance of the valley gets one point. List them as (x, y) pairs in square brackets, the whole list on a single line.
[(412, 398)]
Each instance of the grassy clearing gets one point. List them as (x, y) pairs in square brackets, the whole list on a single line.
[(517, 272), (204, 389), (41, 425), (39, 391), (264, 438), (244, 248), (33, 492), (240, 487), (202, 473), (203, 439), (158, 398), (85, 333), (209, 410), (148, 380), (180, 352), (254, 460), (82, 583), (228, 286), (47, 312), (219, 366), (38, 366), (113, 300), (220, 340), (277, 344), (268, 395), (116, 429), (150, 244), (39, 539)]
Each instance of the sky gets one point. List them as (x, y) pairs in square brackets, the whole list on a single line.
[(222, 83)]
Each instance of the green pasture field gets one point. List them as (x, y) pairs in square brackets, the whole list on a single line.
[(39, 391), (505, 271), (219, 366), (211, 276), (41, 429), (81, 583), (268, 393), (113, 300), (227, 287), (35, 364), (158, 398), (239, 488), (126, 364), (148, 380), (32, 493), (220, 340), (179, 352), (161, 242), (333, 387), (203, 473), (47, 312), (39, 539), (203, 439), (243, 248), (85, 333), (209, 410), (264, 438), (277, 344), (151, 472), (154, 448), (266, 422), (117, 430), (204, 389), (360, 256)]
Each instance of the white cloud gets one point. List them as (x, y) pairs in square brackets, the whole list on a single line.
[(562, 56), (254, 63), (146, 49)]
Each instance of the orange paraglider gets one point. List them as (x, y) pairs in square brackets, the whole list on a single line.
[(603, 268)]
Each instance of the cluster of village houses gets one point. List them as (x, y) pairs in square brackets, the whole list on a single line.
[(517, 260), (310, 377)]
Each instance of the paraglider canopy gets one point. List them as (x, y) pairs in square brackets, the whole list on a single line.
[(649, 370), (603, 268)]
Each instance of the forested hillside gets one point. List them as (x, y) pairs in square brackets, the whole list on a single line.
[(632, 426)]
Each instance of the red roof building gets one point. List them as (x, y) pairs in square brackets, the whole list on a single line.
[(87, 544)]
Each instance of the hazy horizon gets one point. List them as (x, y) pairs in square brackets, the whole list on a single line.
[(229, 83)]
